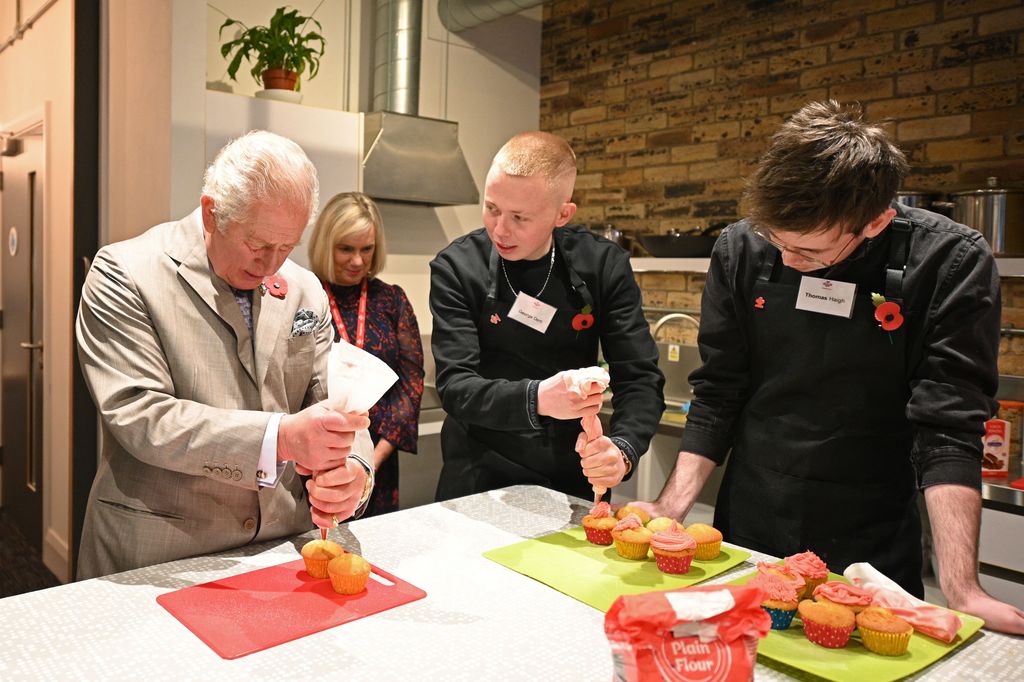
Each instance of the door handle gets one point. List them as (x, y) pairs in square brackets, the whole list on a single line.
[(31, 346)]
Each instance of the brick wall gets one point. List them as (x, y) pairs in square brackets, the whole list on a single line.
[(669, 104)]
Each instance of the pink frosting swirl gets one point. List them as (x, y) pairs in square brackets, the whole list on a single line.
[(630, 522), (783, 573), (673, 540), (843, 593), (601, 510), (775, 587), (807, 564)]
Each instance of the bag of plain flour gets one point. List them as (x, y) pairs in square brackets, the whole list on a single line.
[(694, 634)]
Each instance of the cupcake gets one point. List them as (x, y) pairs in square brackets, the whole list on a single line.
[(348, 573), (661, 523), (781, 595), (844, 594), (598, 524), (317, 554), (809, 567), (673, 550), (709, 540), (884, 632), (827, 625), (632, 540), (628, 509)]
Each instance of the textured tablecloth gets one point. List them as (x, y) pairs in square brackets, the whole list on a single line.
[(479, 621)]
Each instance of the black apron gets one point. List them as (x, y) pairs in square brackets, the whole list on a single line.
[(477, 459), (822, 455)]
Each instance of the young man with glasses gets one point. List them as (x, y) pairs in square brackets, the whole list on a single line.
[(849, 347)]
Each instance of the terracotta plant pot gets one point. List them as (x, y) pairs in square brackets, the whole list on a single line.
[(279, 79)]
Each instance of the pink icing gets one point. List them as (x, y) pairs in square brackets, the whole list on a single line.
[(783, 574), (775, 588), (843, 593), (630, 522), (601, 510), (673, 540), (807, 564)]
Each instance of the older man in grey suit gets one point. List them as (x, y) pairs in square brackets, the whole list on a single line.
[(205, 350)]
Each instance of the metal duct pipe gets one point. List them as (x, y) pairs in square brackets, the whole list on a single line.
[(396, 56), (458, 15)]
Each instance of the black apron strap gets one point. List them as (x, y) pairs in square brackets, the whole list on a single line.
[(896, 266), (492, 286), (768, 259)]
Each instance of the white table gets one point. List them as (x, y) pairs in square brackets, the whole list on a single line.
[(479, 621)]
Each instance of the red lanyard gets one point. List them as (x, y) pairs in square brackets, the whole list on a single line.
[(360, 326)]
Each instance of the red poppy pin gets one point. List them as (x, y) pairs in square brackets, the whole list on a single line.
[(759, 302), (277, 286), (888, 313), (585, 320), (495, 319)]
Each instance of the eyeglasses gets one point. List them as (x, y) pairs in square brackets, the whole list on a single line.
[(766, 235)]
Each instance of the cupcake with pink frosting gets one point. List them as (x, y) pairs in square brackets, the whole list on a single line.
[(782, 593), (844, 594), (632, 539), (810, 567), (673, 550), (598, 524)]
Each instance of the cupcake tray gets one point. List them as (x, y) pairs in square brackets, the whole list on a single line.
[(260, 609), (596, 575), (854, 663)]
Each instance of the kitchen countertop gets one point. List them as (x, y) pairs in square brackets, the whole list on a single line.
[(478, 621)]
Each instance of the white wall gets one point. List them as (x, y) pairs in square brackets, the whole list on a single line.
[(35, 70)]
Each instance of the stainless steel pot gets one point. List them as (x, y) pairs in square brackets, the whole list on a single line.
[(926, 199), (918, 198), (998, 213)]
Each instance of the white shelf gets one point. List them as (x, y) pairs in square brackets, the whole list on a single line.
[(1008, 267), (670, 264)]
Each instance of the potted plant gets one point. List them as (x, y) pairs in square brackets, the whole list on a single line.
[(279, 53)]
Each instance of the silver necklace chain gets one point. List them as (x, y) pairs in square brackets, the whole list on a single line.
[(551, 269)]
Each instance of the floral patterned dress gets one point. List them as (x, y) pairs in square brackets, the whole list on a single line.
[(393, 335)]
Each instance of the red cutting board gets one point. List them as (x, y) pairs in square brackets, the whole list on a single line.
[(260, 609)]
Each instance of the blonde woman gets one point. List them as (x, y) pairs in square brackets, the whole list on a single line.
[(347, 252)]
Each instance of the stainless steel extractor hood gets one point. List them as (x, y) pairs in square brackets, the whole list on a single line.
[(411, 158), (407, 157)]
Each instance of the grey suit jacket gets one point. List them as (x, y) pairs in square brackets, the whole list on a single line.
[(185, 395)]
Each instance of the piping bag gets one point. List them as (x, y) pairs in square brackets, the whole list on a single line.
[(358, 380), (584, 382)]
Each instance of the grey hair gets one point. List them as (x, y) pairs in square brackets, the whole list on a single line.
[(260, 167)]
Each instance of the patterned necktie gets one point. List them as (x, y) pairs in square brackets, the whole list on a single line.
[(244, 298)]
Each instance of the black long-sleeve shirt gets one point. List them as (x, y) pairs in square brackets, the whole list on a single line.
[(951, 284), (460, 279)]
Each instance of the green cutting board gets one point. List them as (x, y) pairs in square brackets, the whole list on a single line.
[(597, 575), (854, 663)]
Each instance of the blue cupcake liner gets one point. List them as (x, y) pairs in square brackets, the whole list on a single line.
[(781, 619)]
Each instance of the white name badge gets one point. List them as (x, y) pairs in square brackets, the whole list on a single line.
[(826, 296), (531, 312)]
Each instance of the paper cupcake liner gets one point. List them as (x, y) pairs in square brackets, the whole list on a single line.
[(675, 563), (349, 584), (596, 536), (706, 551), (781, 618), (632, 550), (885, 643), (316, 568), (827, 636), (810, 584)]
